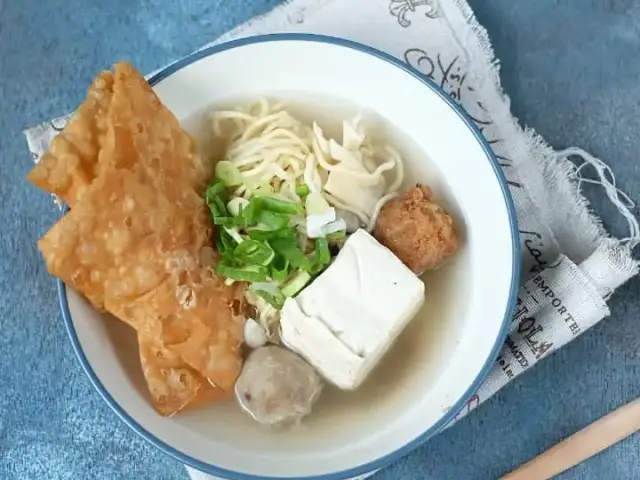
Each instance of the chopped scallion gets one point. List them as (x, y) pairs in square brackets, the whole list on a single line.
[(270, 293), (297, 283), (242, 273), (214, 190), (237, 205), (220, 207), (252, 210), (322, 253), (233, 233), (258, 233), (228, 173), (281, 206), (279, 268), (272, 220), (254, 252), (302, 190), (289, 249), (230, 221), (336, 236)]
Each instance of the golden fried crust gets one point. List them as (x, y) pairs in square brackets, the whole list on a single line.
[(121, 124), (127, 247), (417, 230), (173, 385), (145, 136), (69, 166), (136, 241)]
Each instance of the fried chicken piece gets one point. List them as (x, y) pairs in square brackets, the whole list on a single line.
[(417, 230)]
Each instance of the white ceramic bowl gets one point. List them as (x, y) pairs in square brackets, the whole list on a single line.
[(449, 347)]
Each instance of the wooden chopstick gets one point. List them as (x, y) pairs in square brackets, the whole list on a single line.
[(584, 444)]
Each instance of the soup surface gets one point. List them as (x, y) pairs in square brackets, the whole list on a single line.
[(416, 357)]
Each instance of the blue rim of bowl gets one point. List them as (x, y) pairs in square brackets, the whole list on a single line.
[(458, 406)]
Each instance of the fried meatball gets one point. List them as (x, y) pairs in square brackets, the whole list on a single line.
[(417, 230)]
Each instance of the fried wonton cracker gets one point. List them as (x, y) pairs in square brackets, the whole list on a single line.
[(70, 165), (121, 124), (173, 385), (127, 245), (146, 137), (136, 240)]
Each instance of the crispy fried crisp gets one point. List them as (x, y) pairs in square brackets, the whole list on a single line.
[(70, 165), (146, 137), (112, 246), (121, 124), (173, 385), (125, 245), (137, 239)]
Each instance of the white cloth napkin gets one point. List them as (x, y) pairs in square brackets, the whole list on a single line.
[(570, 265)]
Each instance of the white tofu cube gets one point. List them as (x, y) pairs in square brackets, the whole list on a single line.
[(346, 320)]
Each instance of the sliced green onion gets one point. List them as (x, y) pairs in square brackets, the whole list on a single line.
[(215, 211), (336, 236), (270, 293), (272, 220), (253, 252), (242, 273), (263, 190), (233, 233), (237, 205), (289, 249), (280, 268), (302, 190), (230, 221), (316, 268), (226, 244), (215, 190), (252, 210), (216, 206), (281, 206), (225, 221), (322, 253), (257, 233), (297, 283), (228, 173), (333, 227)]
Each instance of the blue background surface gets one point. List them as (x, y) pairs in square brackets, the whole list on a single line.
[(571, 68)]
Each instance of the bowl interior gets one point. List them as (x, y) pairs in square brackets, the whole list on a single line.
[(443, 351)]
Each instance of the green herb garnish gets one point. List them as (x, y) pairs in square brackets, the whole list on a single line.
[(289, 249), (242, 273), (297, 283), (281, 206), (271, 294), (228, 173), (253, 252), (279, 268), (302, 190)]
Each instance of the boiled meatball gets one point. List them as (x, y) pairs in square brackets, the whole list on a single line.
[(417, 230), (277, 387)]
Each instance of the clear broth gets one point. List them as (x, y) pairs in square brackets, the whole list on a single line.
[(422, 349)]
